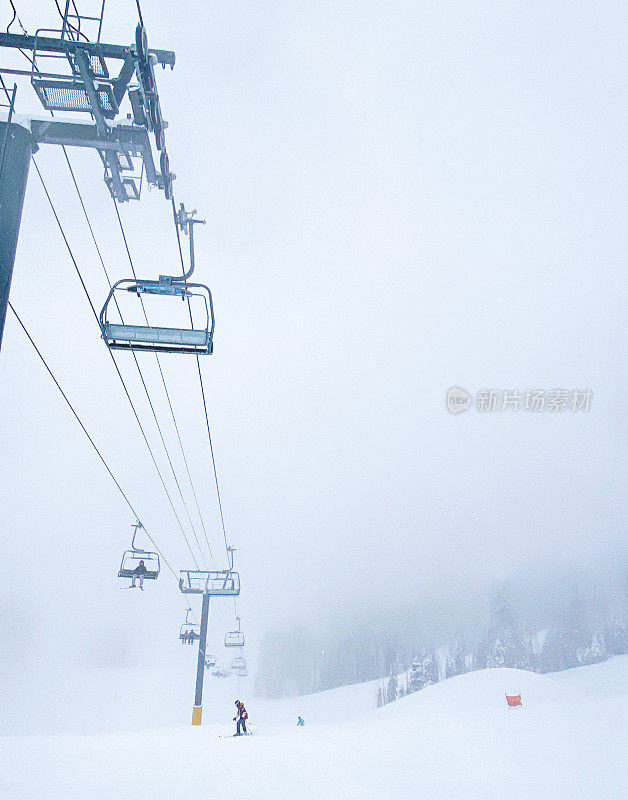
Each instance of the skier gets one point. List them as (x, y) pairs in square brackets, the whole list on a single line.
[(139, 572), (241, 717), (300, 722)]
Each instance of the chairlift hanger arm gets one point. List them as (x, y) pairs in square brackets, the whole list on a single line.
[(186, 222), (136, 526), (67, 46)]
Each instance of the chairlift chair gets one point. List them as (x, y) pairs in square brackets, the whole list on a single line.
[(131, 559), (238, 663), (210, 661), (189, 630), (218, 672), (159, 339), (234, 639)]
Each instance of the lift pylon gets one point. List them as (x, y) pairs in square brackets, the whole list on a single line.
[(71, 72)]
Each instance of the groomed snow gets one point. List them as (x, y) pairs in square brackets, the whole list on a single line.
[(457, 739)]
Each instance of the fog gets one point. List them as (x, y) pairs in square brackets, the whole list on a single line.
[(400, 198)]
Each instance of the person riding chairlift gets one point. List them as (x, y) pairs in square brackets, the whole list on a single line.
[(241, 717), (139, 572)]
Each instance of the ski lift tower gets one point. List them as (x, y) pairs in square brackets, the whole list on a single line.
[(16, 148), (73, 71), (208, 583)]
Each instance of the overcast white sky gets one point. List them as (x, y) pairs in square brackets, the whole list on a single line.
[(400, 197)]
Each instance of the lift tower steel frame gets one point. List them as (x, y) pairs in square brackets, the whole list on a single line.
[(16, 148), (89, 88), (197, 711), (209, 583)]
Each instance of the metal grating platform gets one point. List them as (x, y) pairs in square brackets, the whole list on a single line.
[(70, 95)]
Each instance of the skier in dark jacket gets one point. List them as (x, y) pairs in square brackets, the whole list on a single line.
[(139, 572), (241, 717)]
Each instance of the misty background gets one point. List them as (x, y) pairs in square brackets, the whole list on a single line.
[(400, 198)]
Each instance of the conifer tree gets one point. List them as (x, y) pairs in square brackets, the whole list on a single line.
[(391, 691)]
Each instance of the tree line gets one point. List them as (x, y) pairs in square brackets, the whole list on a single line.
[(542, 624)]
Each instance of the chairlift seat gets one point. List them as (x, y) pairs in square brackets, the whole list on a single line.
[(158, 340), (216, 583), (132, 558), (238, 663), (234, 639)]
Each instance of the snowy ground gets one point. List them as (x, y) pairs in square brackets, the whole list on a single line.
[(457, 739)]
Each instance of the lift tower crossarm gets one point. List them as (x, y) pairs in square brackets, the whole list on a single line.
[(50, 45), (121, 138)]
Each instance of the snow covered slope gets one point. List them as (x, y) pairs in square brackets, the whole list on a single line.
[(454, 740)]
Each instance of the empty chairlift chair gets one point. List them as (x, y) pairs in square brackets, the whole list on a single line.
[(197, 339), (159, 339), (131, 560), (235, 638), (238, 663), (219, 672)]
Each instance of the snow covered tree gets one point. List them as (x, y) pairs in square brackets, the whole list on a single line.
[(460, 659), (456, 663), (430, 666), (594, 652), (508, 646), (417, 676), (616, 628), (391, 689), (616, 636), (480, 657), (380, 697)]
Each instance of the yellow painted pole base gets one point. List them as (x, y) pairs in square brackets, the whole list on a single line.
[(197, 715)]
